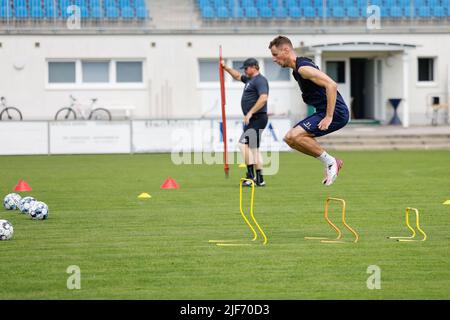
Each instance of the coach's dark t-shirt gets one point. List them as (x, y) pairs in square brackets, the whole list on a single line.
[(254, 87)]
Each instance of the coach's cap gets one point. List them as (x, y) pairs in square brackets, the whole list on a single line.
[(249, 63)]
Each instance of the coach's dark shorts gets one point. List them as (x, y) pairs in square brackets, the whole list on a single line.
[(252, 132), (340, 119)]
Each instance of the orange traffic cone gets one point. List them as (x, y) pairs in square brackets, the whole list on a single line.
[(170, 184), (22, 186)]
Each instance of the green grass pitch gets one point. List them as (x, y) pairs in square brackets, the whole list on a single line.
[(158, 248)]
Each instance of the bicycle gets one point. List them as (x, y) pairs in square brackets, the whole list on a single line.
[(78, 110), (9, 112)]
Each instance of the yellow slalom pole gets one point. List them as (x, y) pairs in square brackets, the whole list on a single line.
[(251, 211), (255, 235), (410, 239)]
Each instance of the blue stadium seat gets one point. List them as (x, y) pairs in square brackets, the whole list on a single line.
[(280, 12), (222, 12), (338, 12), (262, 3), (333, 3), (424, 12), (94, 3), (36, 12), (127, 12), (247, 3), (5, 12), (50, 11), (396, 12), (112, 12), (251, 12), (110, 3), (309, 12), (96, 12), (266, 12), (318, 3), (141, 13), (405, 3), (434, 3), (419, 3), (203, 3), (353, 12), (292, 3), (375, 3), (348, 3), (219, 3), (125, 4), (208, 13), (438, 12), (81, 3), (295, 12), (390, 3), (237, 12), (362, 3), (277, 3), (305, 3), (21, 12), (139, 4)]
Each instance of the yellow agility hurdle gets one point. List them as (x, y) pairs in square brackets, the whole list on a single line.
[(247, 222), (413, 235), (338, 231)]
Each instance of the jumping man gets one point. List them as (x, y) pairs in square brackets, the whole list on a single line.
[(254, 107), (320, 91)]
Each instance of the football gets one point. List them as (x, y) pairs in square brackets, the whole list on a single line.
[(11, 201), (6, 230), (25, 204), (38, 210)]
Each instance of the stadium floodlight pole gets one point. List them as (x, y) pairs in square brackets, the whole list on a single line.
[(226, 168)]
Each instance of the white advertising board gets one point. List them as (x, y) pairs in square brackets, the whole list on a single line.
[(172, 135), (23, 138), (89, 137)]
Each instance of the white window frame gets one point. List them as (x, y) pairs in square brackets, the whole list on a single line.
[(232, 84), (79, 85), (427, 84)]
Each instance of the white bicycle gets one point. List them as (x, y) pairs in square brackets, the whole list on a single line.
[(77, 110), (9, 112)]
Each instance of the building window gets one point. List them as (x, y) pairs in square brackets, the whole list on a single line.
[(336, 71), (274, 72), (61, 72), (129, 72), (209, 70), (426, 69), (95, 71)]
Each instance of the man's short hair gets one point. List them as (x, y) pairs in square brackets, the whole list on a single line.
[(279, 41)]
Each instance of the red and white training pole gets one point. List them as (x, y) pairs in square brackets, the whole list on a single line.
[(226, 168)]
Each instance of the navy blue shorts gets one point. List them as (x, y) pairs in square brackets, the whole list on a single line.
[(253, 131), (310, 124)]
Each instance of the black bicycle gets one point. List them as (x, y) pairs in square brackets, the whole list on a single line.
[(9, 112), (77, 110)]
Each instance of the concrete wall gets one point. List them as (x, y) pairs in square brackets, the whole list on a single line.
[(171, 87)]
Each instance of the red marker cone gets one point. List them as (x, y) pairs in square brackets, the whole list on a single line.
[(22, 186), (170, 184)]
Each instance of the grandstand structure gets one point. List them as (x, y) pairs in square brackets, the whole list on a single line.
[(237, 16)]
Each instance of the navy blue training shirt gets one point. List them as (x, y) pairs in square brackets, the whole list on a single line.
[(313, 94), (254, 87)]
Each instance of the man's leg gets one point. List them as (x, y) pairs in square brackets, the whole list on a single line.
[(297, 138), (249, 159)]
